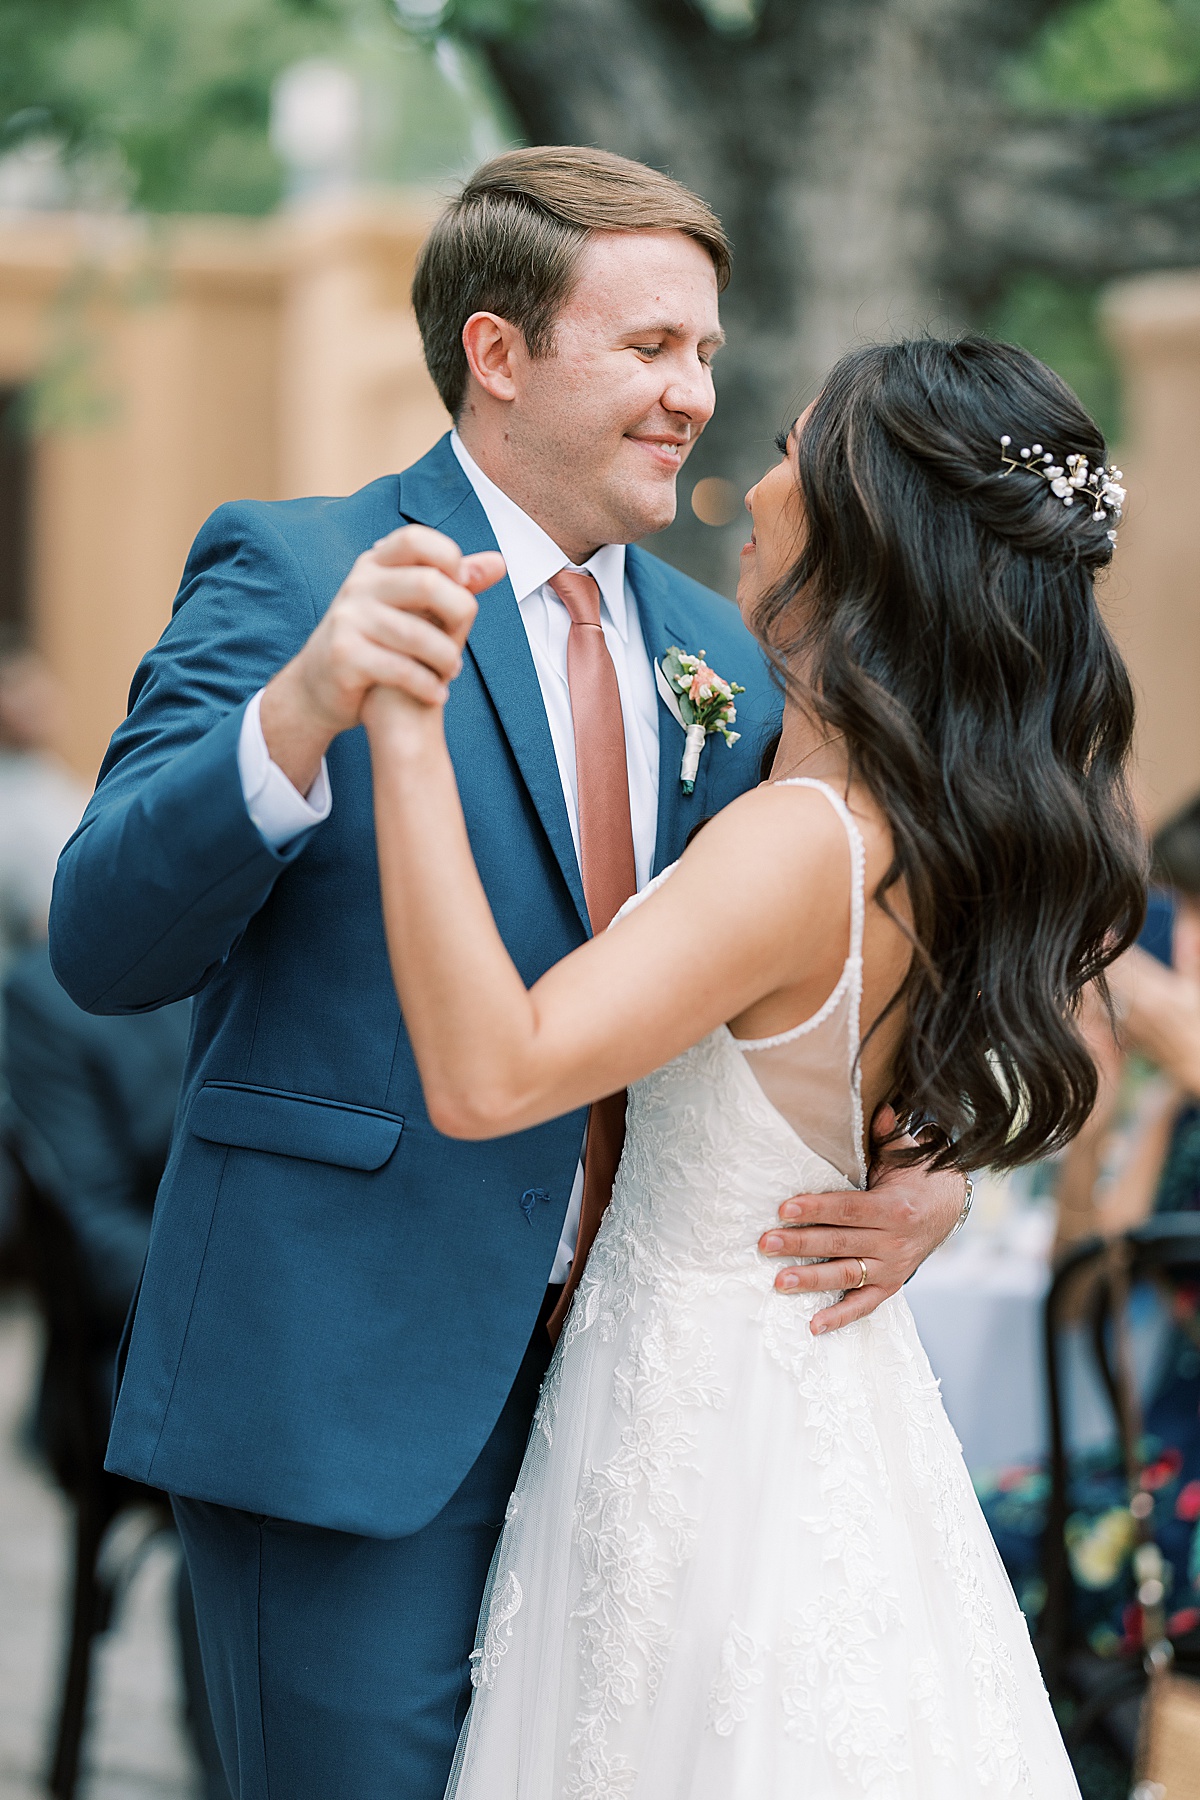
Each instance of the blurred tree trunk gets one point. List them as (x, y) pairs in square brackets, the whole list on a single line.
[(867, 165)]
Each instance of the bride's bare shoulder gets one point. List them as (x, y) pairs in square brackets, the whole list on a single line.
[(778, 861), (793, 832)]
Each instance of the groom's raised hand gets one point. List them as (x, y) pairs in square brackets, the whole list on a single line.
[(399, 620), (885, 1233)]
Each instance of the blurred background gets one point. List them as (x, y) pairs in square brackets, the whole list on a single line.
[(209, 215)]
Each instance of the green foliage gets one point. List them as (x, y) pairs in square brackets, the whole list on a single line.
[(490, 18), (485, 19), (1105, 54), (182, 92), (1058, 321), (176, 93), (1100, 56)]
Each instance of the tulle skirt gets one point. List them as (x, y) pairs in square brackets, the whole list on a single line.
[(744, 1563)]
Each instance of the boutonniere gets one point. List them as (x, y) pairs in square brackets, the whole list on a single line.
[(701, 700)]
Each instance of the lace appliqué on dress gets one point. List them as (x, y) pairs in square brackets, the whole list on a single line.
[(944, 1493), (741, 1672), (633, 1532), (504, 1606)]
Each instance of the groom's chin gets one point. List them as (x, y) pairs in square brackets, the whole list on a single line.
[(649, 513)]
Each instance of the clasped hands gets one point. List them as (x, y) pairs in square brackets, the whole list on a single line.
[(393, 638), (396, 629)]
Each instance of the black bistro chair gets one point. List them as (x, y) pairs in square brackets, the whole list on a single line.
[(1163, 1249), (72, 1430)]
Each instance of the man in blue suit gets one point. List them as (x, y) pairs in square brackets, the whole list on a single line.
[(340, 1333)]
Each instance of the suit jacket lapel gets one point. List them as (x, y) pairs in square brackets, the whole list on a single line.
[(436, 492), (664, 622)]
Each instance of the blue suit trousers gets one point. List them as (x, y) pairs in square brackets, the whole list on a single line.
[(338, 1666)]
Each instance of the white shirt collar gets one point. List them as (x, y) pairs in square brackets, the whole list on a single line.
[(530, 554)]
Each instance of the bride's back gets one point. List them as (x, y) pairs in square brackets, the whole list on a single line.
[(827, 1068)]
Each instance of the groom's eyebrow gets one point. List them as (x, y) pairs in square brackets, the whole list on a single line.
[(674, 328)]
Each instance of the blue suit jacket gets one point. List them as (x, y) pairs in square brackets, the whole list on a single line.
[(336, 1298)]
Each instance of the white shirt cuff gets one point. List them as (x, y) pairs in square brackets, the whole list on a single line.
[(278, 810)]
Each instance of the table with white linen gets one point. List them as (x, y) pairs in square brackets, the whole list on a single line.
[(978, 1305)]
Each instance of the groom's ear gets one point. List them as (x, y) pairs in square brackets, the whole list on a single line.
[(493, 346)]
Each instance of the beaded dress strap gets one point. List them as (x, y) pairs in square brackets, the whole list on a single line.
[(858, 865), (849, 986)]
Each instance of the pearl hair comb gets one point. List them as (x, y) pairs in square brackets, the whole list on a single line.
[(1071, 478)]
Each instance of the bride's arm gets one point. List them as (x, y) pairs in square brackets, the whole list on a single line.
[(745, 914)]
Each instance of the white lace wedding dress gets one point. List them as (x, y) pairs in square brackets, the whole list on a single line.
[(741, 1562)]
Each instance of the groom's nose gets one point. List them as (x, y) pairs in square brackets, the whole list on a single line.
[(689, 392)]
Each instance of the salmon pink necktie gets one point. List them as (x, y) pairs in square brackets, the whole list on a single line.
[(606, 863)]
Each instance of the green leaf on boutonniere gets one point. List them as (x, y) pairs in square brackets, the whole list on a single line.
[(677, 672)]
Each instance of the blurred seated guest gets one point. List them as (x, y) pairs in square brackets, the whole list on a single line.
[(41, 802), (1158, 1009), (40, 805), (1157, 1001), (91, 1105)]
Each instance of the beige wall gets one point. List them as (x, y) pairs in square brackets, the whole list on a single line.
[(1153, 592), (201, 362), (356, 400)]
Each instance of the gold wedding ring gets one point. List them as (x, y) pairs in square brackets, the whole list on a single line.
[(862, 1281)]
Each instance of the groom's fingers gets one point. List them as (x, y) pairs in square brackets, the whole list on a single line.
[(854, 1305), (854, 1207), (482, 570), (406, 674), (819, 1240), (843, 1275), (411, 635), (839, 1257), (419, 545), (416, 569), (421, 590), (851, 1223), (839, 1229)]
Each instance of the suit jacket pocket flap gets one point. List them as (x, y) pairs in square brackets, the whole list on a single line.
[(255, 1118)]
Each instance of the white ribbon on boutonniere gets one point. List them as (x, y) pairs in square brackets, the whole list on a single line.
[(701, 700)]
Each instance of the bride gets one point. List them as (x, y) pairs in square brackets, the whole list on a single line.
[(744, 1560)]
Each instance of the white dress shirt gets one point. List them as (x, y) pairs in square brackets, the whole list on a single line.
[(278, 809), (532, 558)]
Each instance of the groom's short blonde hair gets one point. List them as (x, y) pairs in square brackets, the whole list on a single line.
[(510, 244)]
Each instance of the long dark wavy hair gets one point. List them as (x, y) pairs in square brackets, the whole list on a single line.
[(941, 615)]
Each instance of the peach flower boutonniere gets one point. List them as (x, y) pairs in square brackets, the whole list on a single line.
[(701, 700)]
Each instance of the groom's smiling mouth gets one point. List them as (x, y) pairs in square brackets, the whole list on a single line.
[(667, 450)]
